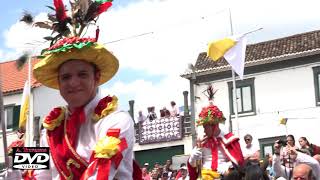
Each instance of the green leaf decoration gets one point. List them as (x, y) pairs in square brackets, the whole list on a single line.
[(67, 47), (103, 1)]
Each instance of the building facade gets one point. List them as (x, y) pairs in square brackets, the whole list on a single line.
[(281, 80)]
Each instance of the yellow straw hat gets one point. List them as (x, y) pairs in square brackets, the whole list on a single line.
[(86, 49)]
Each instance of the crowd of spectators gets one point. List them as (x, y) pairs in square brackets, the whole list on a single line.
[(164, 172), (288, 161), (165, 112)]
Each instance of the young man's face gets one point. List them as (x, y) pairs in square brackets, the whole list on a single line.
[(77, 82)]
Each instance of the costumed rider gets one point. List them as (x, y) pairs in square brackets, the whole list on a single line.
[(218, 154), (89, 138)]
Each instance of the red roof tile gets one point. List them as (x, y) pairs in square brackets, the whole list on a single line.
[(281, 49), (12, 79)]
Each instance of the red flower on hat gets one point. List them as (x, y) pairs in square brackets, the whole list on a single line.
[(210, 115), (69, 41)]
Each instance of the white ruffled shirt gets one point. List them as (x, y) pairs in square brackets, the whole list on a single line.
[(90, 133)]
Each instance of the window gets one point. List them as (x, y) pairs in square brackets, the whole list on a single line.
[(11, 115), (245, 97), (8, 116), (266, 145), (316, 78)]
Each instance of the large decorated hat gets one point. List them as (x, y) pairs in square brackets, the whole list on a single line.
[(67, 42), (210, 115), (46, 71)]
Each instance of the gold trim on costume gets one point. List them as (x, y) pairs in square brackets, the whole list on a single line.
[(77, 165)]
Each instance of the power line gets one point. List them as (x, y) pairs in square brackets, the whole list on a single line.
[(129, 37), (152, 32)]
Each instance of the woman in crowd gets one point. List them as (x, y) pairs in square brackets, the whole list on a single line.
[(308, 147)]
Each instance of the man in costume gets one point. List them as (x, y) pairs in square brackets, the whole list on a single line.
[(89, 138), (218, 153)]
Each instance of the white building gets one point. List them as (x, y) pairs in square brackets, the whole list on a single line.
[(281, 81), (42, 98)]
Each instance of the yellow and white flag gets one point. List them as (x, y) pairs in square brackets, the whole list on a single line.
[(233, 49), (283, 121), (24, 109)]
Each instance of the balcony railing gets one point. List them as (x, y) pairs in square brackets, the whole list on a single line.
[(161, 130)]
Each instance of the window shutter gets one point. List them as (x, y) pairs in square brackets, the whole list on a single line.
[(16, 115)]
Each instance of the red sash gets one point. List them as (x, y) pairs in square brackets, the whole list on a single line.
[(62, 142), (213, 144)]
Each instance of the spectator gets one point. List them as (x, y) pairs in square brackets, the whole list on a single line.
[(305, 145), (156, 165), (151, 113), (165, 176), (160, 171), (154, 174), (251, 152), (174, 109), (141, 117), (311, 148), (179, 171), (146, 165), (164, 113), (145, 174), (173, 175), (291, 141), (269, 168), (168, 165), (184, 173), (285, 161), (302, 172)]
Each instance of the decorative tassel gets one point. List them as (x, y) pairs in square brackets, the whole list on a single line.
[(27, 18), (21, 61), (97, 33)]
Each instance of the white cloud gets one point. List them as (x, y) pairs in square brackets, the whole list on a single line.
[(146, 93), (180, 30)]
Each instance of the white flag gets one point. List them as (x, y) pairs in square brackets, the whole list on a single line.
[(233, 49), (236, 56)]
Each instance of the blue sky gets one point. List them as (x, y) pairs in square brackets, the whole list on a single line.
[(176, 31)]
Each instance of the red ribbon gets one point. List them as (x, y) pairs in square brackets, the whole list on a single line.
[(214, 153), (103, 164)]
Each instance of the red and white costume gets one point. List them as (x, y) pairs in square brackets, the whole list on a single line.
[(219, 154), (73, 141)]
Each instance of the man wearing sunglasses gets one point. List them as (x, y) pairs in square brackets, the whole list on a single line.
[(251, 153)]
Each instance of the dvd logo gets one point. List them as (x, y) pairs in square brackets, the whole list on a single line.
[(31, 158)]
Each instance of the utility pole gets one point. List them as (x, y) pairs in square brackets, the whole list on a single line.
[(192, 103)]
